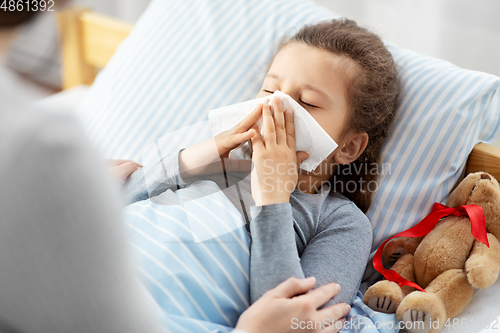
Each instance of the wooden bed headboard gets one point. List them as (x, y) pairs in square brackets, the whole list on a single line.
[(484, 157), (88, 40)]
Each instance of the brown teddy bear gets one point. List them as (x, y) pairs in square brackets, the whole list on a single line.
[(448, 262)]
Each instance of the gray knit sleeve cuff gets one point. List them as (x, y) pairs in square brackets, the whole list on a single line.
[(272, 230), (273, 211)]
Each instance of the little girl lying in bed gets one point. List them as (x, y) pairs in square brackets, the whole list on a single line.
[(306, 224)]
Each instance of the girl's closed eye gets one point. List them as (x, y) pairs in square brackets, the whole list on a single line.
[(268, 91), (307, 104)]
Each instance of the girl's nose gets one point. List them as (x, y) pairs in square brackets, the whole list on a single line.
[(291, 93)]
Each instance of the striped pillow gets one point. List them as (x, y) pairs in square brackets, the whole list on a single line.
[(185, 58)]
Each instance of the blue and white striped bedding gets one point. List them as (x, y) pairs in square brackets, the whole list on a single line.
[(185, 58), (201, 285)]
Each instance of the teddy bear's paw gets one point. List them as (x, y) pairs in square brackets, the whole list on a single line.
[(396, 254), (417, 321), (394, 250), (479, 277), (422, 312), (384, 296), (482, 267), (382, 304)]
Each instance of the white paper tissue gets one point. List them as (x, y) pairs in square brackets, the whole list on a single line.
[(310, 136)]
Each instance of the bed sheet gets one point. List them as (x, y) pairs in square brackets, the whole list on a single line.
[(481, 315)]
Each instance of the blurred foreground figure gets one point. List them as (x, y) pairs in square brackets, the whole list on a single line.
[(64, 264)]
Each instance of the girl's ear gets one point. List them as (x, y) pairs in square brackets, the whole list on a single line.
[(351, 147)]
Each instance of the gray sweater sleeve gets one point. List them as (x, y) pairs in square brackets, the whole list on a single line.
[(337, 252), (274, 256)]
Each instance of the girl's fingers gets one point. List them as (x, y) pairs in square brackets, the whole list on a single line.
[(232, 138), (279, 121), (233, 141), (269, 128), (290, 129), (257, 142), (249, 120)]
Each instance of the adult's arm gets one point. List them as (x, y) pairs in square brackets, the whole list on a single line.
[(337, 252)]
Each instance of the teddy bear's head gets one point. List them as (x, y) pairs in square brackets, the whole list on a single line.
[(480, 188)]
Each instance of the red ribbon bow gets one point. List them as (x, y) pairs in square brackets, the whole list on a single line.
[(478, 229)]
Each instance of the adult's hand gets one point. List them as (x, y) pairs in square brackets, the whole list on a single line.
[(122, 169), (281, 310)]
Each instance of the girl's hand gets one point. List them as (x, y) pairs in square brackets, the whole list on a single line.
[(276, 162), (204, 158), (231, 139)]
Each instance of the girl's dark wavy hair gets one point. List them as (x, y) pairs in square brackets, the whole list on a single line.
[(373, 93)]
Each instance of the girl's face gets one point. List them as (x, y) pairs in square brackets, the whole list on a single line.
[(316, 79)]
